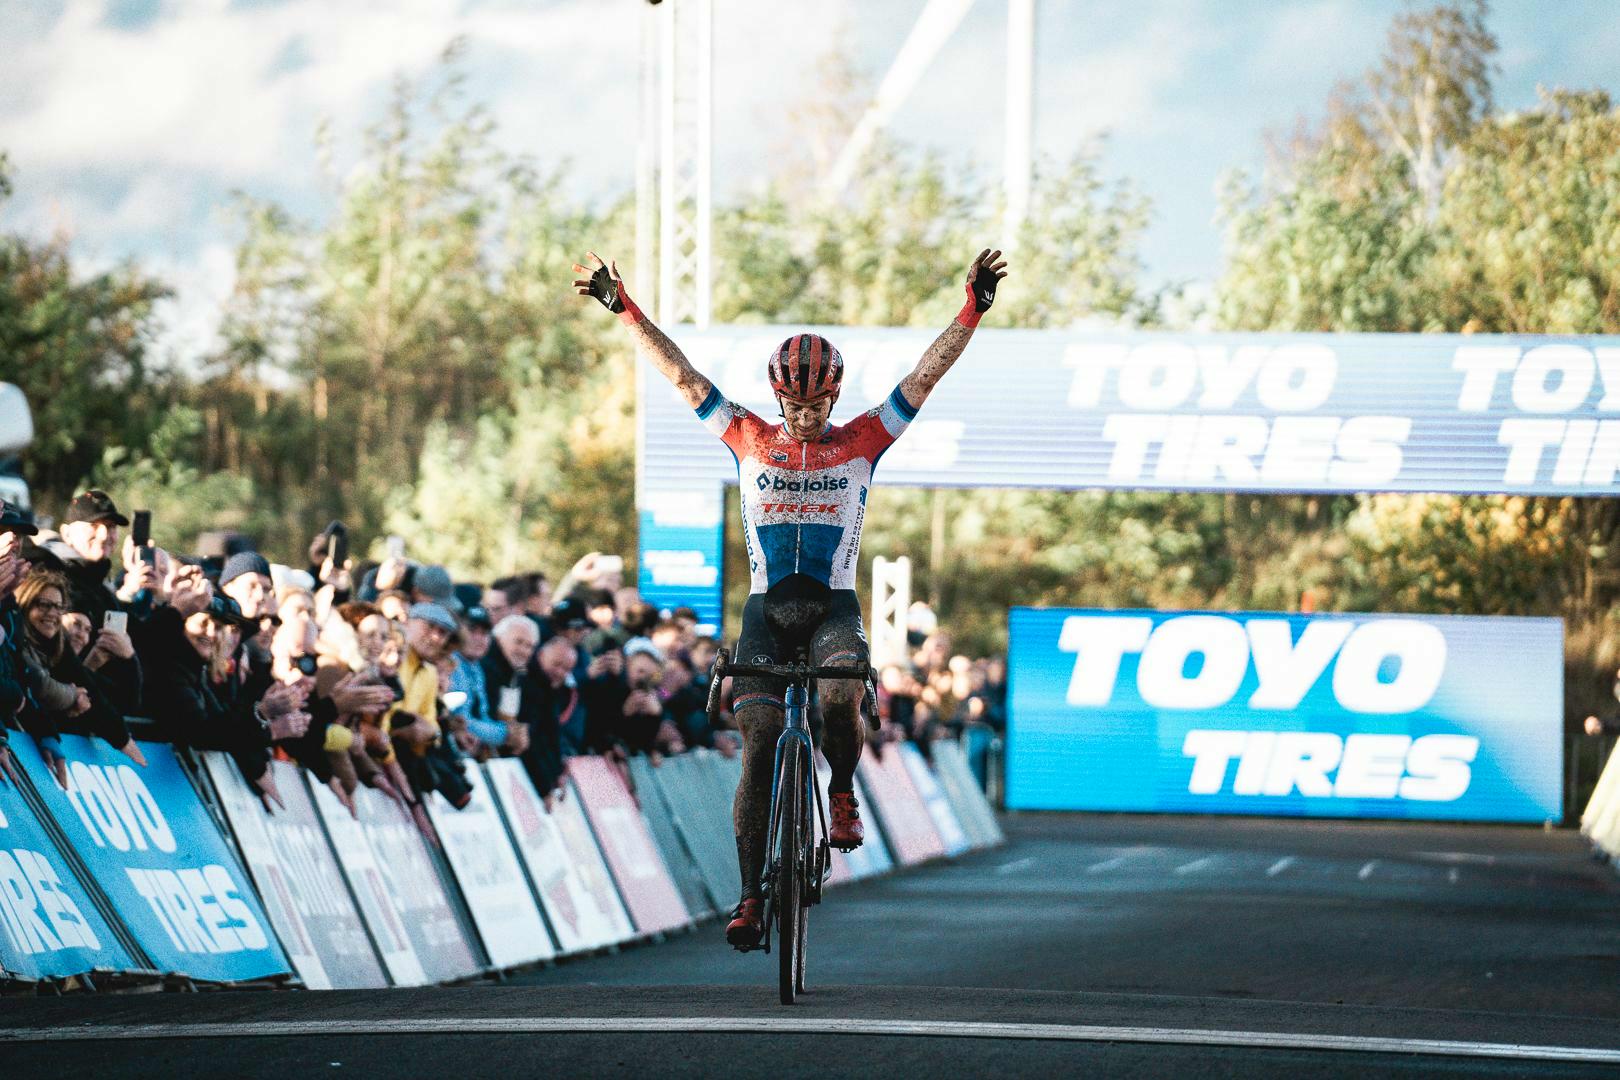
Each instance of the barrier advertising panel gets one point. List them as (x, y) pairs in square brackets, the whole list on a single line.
[(940, 810), (673, 842), (587, 860), (1394, 716), (154, 850), (972, 808), (49, 925), (579, 918), (302, 859), (905, 821), (417, 890), (868, 859), (643, 880), (498, 895), (246, 815), (358, 863)]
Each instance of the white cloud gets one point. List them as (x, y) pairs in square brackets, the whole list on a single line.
[(188, 324), (198, 88)]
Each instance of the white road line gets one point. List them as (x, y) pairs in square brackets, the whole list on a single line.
[(1280, 865), (754, 1025), (1366, 871), (1106, 864), (1195, 866), (1014, 867), (1458, 857)]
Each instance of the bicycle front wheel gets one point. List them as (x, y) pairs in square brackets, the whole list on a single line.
[(788, 887)]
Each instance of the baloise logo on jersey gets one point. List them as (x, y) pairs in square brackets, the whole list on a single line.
[(1340, 715)]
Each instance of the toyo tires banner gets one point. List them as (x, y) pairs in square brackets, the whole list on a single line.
[(1390, 716)]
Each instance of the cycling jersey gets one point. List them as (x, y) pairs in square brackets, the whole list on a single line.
[(803, 503)]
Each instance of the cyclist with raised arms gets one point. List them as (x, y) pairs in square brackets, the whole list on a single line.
[(804, 485)]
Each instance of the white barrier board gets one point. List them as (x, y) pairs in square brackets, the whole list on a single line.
[(487, 869)]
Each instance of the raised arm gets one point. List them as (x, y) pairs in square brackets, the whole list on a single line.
[(605, 284), (982, 278)]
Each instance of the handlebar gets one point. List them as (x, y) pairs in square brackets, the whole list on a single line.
[(795, 672), (801, 673)]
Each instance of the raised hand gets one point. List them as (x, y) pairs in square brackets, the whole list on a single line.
[(604, 283), (983, 276)]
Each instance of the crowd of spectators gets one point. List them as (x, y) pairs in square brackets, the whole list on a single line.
[(388, 674)]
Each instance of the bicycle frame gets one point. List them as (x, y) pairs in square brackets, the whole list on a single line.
[(796, 728), (801, 682)]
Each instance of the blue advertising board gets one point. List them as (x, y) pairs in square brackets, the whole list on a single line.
[(49, 926), (154, 850), (1334, 715), (1064, 409)]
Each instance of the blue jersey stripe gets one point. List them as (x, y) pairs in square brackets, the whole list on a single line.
[(712, 401), (902, 406)]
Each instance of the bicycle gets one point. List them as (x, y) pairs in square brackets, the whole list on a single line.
[(799, 855)]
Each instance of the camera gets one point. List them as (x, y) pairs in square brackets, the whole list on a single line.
[(445, 776), (307, 665)]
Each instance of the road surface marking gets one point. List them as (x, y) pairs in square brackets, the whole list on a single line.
[(1014, 867), (1280, 865), (1458, 857), (1366, 871), (1106, 864), (1195, 865), (756, 1025)]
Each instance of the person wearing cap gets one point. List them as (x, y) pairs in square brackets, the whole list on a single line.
[(413, 721), (488, 734), (432, 585), (85, 553), (16, 524)]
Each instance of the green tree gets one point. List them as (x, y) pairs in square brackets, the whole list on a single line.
[(1417, 207)]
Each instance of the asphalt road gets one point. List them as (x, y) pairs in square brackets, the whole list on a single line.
[(1131, 946)]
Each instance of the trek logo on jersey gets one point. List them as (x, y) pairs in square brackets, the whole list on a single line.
[(1431, 768), (1380, 666), (798, 508), (806, 487)]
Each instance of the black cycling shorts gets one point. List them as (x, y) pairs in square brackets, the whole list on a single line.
[(776, 624)]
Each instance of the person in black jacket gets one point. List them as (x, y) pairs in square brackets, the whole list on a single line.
[(199, 696), (15, 526), (551, 705), (626, 711), (87, 554), (99, 649)]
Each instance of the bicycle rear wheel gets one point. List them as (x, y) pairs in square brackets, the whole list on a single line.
[(788, 885)]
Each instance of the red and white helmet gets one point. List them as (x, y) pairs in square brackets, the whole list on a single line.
[(807, 368)]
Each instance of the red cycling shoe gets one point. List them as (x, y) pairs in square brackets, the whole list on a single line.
[(747, 924), (846, 832)]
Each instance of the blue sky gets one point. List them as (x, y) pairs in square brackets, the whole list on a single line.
[(129, 122)]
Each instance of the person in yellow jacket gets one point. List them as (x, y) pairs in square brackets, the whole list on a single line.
[(413, 721)]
